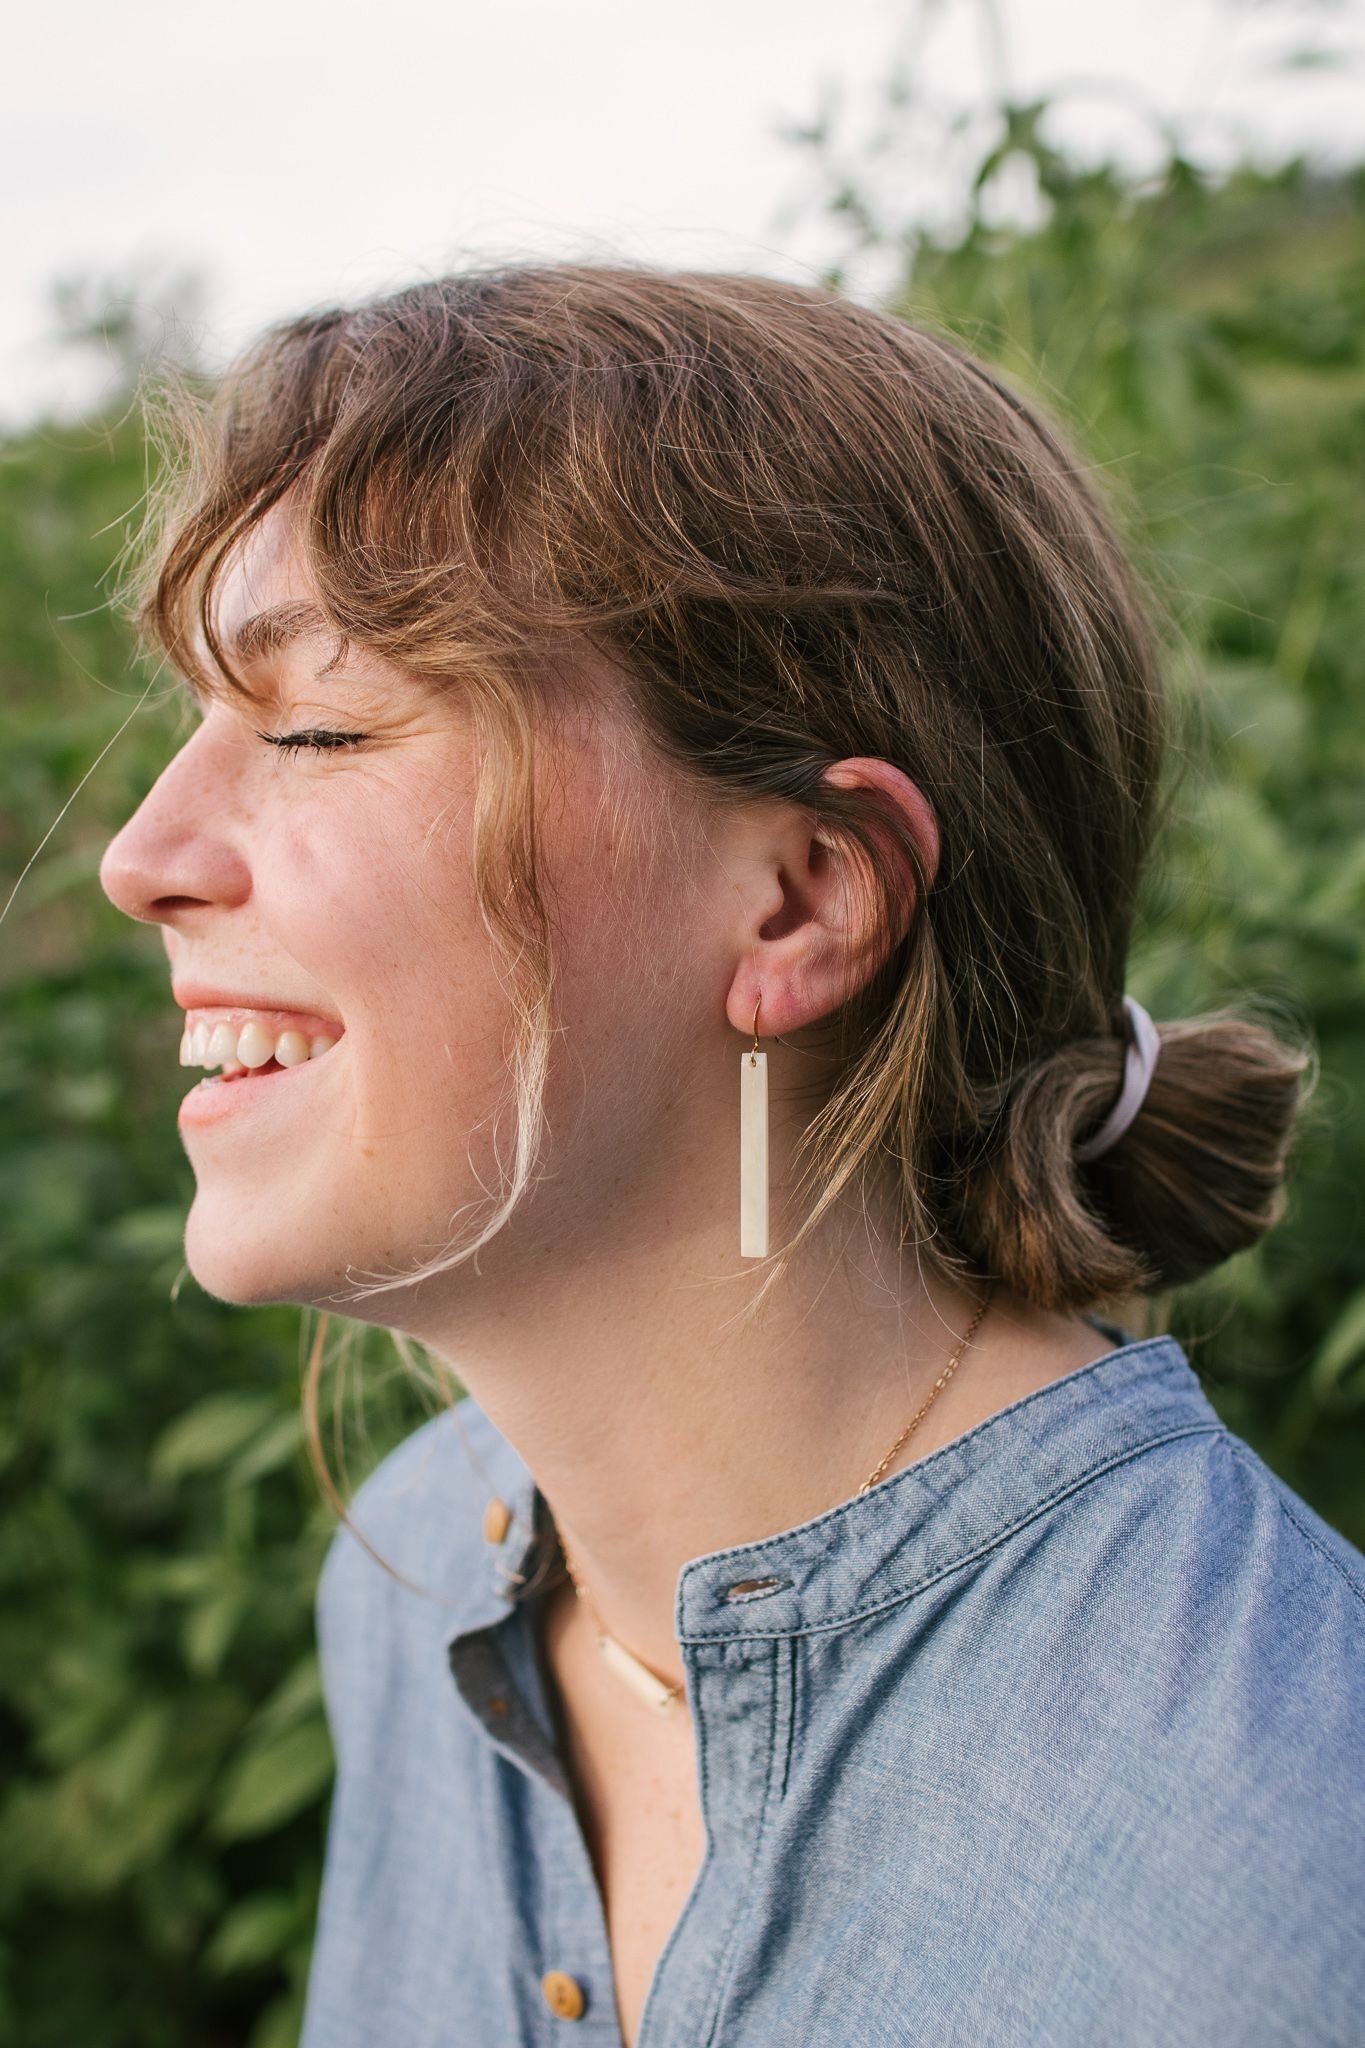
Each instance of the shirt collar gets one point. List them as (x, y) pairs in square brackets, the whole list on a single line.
[(923, 1521)]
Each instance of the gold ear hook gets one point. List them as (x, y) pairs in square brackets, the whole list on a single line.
[(754, 1048)]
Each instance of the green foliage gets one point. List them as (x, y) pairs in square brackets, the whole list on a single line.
[(161, 1823)]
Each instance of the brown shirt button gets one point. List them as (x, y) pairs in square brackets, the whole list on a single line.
[(563, 1994), (496, 1518)]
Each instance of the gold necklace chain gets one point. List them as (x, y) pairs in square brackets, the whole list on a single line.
[(661, 1695)]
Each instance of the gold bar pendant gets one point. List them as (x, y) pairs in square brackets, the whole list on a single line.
[(640, 1679)]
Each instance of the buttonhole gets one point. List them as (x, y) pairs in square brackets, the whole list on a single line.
[(754, 1589)]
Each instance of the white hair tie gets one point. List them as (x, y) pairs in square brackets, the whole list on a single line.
[(1138, 1061)]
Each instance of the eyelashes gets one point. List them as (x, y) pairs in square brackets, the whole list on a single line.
[(319, 739)]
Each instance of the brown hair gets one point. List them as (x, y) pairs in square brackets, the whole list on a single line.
[(801, 529)]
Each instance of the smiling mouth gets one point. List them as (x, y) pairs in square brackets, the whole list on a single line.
[(250, 1047), (252, 1042)]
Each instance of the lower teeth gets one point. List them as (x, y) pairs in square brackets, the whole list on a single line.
[(240, 1074)]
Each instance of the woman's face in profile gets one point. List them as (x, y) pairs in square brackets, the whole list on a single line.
[(330, 894)]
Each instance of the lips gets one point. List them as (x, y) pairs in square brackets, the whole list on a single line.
[(199, 995), (243, 1090), (258, 1039)]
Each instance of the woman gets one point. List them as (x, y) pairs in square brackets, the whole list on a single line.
[(610, 678)]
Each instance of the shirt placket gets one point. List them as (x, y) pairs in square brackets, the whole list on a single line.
[(741, 1699), (740, 1692), (564, 1958)]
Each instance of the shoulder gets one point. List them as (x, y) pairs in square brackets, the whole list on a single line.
[(1215, 1624), (1224, 1567), (396, 1571), (425, 1490), (1149, 1466), (422, 1505), (1178, 1709), (1321, 1556), (1228, 1520), (1281, 1594)]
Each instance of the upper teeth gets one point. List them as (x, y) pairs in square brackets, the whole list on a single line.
[(252, 1044)]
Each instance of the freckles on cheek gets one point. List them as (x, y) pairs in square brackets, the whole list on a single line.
[(427, 865), (353, 861), (388, 893)]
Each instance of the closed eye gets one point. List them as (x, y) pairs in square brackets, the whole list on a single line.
[(319, 738)]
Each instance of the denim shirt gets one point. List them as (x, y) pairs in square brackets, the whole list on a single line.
[(1056, 1736)]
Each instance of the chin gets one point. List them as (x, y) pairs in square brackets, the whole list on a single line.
[(249, 1270)]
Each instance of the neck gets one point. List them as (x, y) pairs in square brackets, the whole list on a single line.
[(659, 1431)]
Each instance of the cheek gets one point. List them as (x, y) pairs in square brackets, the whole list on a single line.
[(337, 899), (382, 914), (632, 986), (376, 871)]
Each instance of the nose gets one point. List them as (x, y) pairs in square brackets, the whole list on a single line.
[(182, 849)]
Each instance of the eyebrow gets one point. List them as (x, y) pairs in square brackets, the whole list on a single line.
[(280, 626)]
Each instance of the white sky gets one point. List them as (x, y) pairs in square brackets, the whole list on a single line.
[(294, 152)]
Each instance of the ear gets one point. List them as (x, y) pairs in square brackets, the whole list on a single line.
[(811, 938)]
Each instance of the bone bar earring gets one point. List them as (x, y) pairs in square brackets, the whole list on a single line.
[(753, 1149)]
